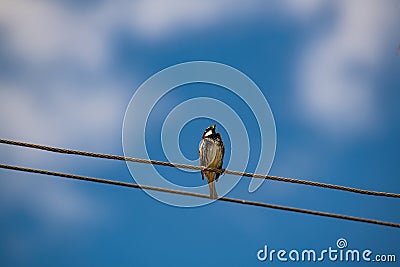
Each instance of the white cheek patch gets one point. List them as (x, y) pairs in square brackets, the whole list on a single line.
[(208, 133)]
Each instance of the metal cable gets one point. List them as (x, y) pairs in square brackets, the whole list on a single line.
[(226, 199), (192, 167)]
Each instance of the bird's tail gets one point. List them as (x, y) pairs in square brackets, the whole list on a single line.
[(213, 190)]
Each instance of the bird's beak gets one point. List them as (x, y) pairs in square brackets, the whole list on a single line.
[(214, 126)]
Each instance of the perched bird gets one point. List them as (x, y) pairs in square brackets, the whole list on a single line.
[(211, 156)]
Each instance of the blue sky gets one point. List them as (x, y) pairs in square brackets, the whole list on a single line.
[(68, 70)]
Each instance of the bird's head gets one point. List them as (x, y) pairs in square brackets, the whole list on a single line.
[(210, 131)]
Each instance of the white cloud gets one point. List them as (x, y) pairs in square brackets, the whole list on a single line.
[(45, 31), (302, 9), (159, 18), (42, 31), (57, 110), (61, 117), (336, 88), (85, 120)]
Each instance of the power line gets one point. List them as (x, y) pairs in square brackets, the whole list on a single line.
[(192, 167), (226, 199)]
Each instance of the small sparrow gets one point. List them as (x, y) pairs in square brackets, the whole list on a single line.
[(211, 156)]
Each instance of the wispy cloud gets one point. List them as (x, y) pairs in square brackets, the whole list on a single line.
[(46, 31), (45, 35), (335, 75), (68, 116), (88, 119), (157, 19)]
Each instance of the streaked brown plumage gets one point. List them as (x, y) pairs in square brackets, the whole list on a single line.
[(211, 156)]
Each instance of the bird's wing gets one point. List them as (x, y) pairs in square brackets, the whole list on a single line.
[(207, 152), (220, 152)]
